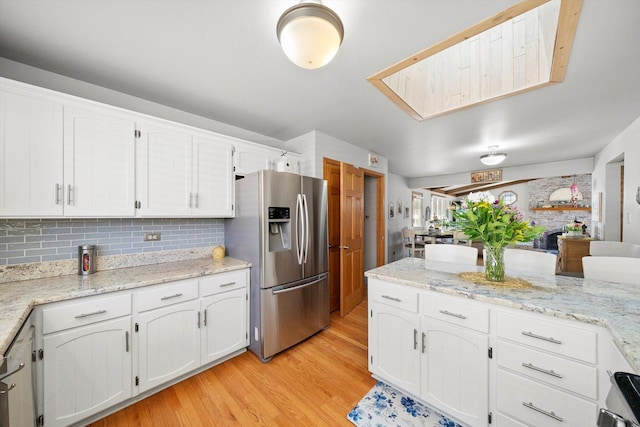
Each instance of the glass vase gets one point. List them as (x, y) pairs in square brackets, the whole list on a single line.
[(494, 263)]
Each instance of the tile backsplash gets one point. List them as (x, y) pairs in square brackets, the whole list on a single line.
[(28, 241)]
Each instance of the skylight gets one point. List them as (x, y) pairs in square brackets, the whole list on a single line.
[(524, 47)]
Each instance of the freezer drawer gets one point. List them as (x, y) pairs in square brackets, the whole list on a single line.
[(291, 314)]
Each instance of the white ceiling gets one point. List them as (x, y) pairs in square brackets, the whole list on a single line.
[(221, 59)]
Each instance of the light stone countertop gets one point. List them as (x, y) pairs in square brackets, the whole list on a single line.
[(17, 299), (612, 305)]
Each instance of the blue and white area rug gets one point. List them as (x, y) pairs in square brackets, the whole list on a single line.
[(384, 406)]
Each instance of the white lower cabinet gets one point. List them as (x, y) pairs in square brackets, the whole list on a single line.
[(488, 365), (394, 356), (87, 358), (442, 364), (224, 328), (455, 371), (92, 363), (169, 343)]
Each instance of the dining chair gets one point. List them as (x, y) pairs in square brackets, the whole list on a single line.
[(451, 253), (612, 269), (415, 247), (615, 249), (529, 261), (460, 238)]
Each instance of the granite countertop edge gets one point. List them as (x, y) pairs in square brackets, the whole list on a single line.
[(623, 322), (18, 299)]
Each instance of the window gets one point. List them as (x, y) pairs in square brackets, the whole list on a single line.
[(508, 197), (416, 209), (439, 207)]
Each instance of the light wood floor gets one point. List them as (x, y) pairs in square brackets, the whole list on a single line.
[(315, 383)]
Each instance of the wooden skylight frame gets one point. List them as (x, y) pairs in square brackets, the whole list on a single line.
[(402, 82)]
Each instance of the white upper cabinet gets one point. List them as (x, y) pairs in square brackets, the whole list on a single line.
[(212, 191), (252, 158), (180, 173), (59, 159), (99, 150), (30, 155), (163, 170)]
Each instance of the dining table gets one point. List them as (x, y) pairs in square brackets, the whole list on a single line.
[(432, 235)]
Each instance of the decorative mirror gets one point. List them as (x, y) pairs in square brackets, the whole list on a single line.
[(508, 197)]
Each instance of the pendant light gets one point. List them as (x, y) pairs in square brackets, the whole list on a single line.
[(493, 158), (310, 34)]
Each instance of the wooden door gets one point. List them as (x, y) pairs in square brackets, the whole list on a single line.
[(332, 175), (351, 237)]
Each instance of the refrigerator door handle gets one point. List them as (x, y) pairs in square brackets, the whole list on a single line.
[(306, 227), (299, 229), (295, 288)]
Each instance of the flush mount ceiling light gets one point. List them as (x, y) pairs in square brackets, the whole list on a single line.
[(310, 34), (493, 158)]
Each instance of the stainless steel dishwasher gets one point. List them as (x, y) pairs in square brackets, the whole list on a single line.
[(17, 397)]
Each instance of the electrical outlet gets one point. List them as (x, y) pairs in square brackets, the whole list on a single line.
[(152, 237)]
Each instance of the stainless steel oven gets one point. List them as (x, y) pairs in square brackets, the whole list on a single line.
[(17, 398), (623, 402)]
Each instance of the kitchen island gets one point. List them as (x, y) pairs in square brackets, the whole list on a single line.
[(499, 355)]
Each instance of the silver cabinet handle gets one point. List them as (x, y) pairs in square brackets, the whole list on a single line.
[(448, 313), (415, 339), (170, 296), (93, 313), (391, 298), (540, 337), (126, 341), (198, 320), (11, 387), (58, 190), (8, 374), (227, 284), (69, 194), (205, 317), (424, 342), (542, 411), (544, 371)]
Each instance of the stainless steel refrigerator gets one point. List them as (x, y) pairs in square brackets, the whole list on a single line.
[(280, 226)]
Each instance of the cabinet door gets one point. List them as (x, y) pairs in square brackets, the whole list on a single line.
[(98, 163), (394, 354), (30, 155), (252, 158), (224, 324), (86, 370), (212, 192), (455, 370), (163, 171), (169, 343)]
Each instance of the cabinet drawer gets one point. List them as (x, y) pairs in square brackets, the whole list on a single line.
[(164, 295), (557, 371), (541, 406), (222, 282), (404, 297), (554, 336), (85, 311), (459, 311)]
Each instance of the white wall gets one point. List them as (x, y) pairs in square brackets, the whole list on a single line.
[(397, 188), (624, 146)]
